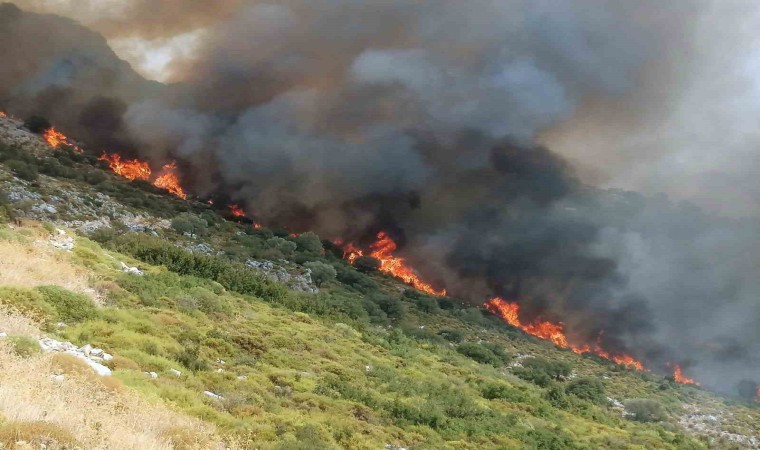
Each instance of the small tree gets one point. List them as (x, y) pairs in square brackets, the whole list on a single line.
[(321, 272), (645, 410), (587, 389), (366, 264), (309, 242), (284, 246), (189, 223)]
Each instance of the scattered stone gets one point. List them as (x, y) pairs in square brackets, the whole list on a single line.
[(58, 378), (84, 353), (152, 375), (242, 377), (175, 372), (131, 270), (212, 395)]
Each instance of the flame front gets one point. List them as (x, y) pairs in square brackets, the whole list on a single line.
[(555, 332), (134, 169), (382, 250), (169, 180), (236, 211), (679, 377), (131, 169), (55, 139)]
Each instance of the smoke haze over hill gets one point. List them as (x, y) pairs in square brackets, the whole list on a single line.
[(473, 132)]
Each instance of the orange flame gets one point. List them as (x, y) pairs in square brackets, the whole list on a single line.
[(55, 139), (383, 249), (134, 169), (169, 180), (757, 394), (679, 377), (131, 169), (554, 332), (236, 211), (2, 114), (257, 225)]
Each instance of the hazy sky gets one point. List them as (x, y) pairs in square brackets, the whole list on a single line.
[(689, 131)]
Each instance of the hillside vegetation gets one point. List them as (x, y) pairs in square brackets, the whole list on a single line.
[(226, 334)]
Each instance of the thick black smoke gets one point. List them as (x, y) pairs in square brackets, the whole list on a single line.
[(421, 119)]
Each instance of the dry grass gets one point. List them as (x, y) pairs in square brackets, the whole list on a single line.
[(84, 409), (13, 323), (31, 265)]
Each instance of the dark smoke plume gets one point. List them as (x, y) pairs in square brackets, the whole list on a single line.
[(428, 120)]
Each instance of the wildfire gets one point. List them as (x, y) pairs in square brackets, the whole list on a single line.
[(382, 250), (131, 169), (236, 211), (134, 169), (681, 378), (554, 332), (55, 139), (757, 394), (2, 114), (169, 180)]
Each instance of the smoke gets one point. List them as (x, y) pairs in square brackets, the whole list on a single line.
[(472, 132)]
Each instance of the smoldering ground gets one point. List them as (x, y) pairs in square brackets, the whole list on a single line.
[(422, 119)]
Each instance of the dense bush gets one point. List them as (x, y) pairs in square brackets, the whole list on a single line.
[(541, 371), (391, 306), (481, 353), (309, 242), (645, 410), (22, 169), (234, 276), (27, 302), (321, 272), (452, 335), (71, 307), (189, 223), (587, 389), (366, 264)]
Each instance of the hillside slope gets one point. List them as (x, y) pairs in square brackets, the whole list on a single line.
[(248, 332)]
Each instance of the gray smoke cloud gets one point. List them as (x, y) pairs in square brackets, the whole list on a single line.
[(473, 132)]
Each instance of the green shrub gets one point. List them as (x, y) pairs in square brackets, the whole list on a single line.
[(450, 335), (502, 391), (479, 353), (23, 170), (24, 345), (309, 242), (587, 389), (29, 303), (284, 246), (321, 272), (645, 410), (391, 306), (189, 223), (366, 264), (542, 372), (71, 307)]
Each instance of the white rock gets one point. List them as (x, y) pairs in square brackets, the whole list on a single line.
[(61, 325), (57, 378), (212, 395), (86, 349), (220, 370), (152, 375), (3, 334), (107, 356), (242, 377), (96, 352), (131, 270), (175, 372)]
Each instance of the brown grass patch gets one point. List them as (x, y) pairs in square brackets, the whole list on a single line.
[(94, 412), (28, 266)]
